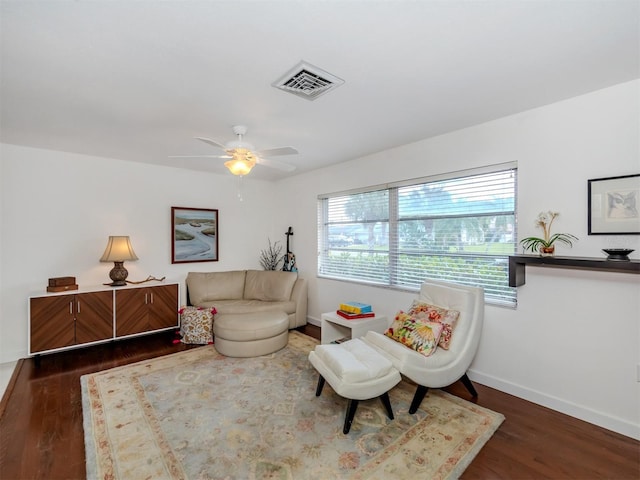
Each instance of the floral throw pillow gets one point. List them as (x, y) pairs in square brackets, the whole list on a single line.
[(432, 313), (421, 336), (196, 324)]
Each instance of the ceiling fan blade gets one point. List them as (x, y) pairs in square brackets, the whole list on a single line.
[(199, 156), (245, 151), (270, 152), (211, 142), (285, 167)]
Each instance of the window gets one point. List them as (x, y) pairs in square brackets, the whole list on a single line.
[(458, 228)]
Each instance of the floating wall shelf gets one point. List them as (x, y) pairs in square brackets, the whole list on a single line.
[(517, 265)]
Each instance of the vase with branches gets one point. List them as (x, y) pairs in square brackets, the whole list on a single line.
[(545, 246), (271, 257)]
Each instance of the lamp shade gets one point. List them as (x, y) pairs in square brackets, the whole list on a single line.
[(118, 249)]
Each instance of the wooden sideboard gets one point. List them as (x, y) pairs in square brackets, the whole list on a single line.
[(73, 319)]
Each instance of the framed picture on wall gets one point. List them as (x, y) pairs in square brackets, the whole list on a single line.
[(194, 235), (614, 205)]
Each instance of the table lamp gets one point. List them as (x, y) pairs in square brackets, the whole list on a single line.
[(118, 250)]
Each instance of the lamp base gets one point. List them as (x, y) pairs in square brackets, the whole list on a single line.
[(118, 275)]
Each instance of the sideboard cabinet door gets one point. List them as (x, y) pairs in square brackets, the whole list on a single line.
[(140, 310), (132, 311), (163, 311), (94, 316), (51, 323), (66, 320)]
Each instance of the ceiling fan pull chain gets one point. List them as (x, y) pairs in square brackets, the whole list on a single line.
[(239, 182)]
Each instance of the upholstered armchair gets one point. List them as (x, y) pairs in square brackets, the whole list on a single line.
[(443, 367)]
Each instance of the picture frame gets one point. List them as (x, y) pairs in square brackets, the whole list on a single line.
[(194, 235), (614, 205)]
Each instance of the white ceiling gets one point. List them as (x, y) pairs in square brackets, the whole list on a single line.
[(137, 80)]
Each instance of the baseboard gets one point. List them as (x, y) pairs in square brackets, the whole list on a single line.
[(600, 419), (314, 321), (12, 355), (8, 390)]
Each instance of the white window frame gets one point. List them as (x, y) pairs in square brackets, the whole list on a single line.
[(363, 263)]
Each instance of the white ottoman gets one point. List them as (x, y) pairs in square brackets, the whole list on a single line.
[(355, 371), (250, 334)]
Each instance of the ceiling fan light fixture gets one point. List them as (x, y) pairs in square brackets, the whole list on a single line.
[(241, 163), (239, 167)]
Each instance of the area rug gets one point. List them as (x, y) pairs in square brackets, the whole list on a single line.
[(199, 415)]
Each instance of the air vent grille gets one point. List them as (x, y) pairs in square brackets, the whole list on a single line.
[(307, 81)]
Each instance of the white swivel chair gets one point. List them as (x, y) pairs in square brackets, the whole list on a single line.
[(443, 367)]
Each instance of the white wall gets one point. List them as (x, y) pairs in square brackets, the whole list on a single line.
[(57, 210), (573, 342)]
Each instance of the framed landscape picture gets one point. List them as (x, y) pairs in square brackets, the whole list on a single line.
[(613, 205), (194, 235)]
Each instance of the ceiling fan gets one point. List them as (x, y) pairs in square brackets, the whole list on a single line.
[(242, 156)]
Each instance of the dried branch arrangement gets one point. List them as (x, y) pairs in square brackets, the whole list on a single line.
[(271, 257)]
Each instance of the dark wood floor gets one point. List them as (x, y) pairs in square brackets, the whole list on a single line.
[(41, 434)]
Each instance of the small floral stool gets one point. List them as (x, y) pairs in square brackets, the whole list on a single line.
[(196, 324), (356, 372)]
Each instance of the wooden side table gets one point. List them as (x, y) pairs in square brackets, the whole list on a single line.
[(334, 327)]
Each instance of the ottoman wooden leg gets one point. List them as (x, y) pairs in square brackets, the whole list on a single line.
[(384, 398), (320, 385), (352, 406)]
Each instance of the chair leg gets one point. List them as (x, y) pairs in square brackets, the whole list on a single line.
[(384, 398), (352, 406), (320, 385), (421, 391), (467, 383)]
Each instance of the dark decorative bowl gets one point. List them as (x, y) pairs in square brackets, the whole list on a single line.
[(618, 254)]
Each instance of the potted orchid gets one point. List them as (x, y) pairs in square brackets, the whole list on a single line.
[(545, 246)]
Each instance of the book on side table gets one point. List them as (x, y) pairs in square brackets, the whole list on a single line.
[(355, 307), (354, 316)]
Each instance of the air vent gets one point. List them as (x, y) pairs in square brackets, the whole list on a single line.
[(307, 81)]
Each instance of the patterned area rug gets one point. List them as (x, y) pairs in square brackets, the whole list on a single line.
[(200, 415)]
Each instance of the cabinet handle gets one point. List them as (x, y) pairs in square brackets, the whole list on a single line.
[(78, 306), (151, 297), (145, 298), (70, 308)]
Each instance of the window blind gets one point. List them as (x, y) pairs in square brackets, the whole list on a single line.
[(459, 228)]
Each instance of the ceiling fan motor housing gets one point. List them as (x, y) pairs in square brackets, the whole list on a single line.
[(237, 145), (239, 130)]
